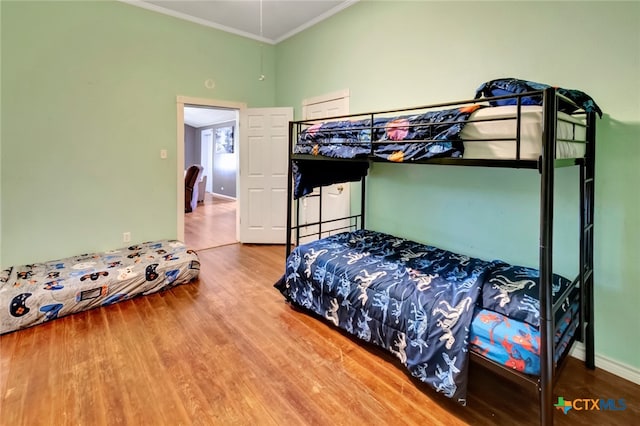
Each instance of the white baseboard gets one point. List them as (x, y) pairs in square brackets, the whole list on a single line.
[(614, 367), (215, 194)]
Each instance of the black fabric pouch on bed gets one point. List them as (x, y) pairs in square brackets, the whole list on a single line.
[(311, 174)]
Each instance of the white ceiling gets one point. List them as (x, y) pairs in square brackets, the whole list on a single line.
[(203, 116), (280, 18)]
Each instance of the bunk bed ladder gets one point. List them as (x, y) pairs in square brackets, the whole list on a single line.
[(587, 191)]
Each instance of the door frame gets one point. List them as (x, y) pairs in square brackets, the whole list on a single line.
[(181, 102)]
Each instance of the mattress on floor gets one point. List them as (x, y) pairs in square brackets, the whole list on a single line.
[(40, 292), (569, 128), (514, 343)]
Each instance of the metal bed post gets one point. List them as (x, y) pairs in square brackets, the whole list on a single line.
[(289, 191), (362, 201), (319, 212), (547, 163)]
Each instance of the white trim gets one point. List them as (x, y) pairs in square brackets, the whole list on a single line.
[(180, 170), (181, 101), (612, 366), (188, 100), (316, 20), (223, 196), (326, 98), (200, 21)]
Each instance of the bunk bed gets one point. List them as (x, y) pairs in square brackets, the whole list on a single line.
[(432, 308)]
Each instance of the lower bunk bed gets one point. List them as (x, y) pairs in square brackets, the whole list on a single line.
[(430, 307), (41, 292)]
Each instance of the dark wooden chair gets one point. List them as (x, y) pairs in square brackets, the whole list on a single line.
[(191, 180)]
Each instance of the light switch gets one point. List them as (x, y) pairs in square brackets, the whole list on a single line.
[(163, 154)]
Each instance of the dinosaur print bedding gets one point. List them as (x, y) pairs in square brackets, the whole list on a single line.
[(423, 304), (41, 292), (414, 300)]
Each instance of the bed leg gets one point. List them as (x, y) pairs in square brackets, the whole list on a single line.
[(590, 358), (546, 375)]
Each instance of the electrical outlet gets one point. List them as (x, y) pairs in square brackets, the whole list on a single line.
[(126, 237)]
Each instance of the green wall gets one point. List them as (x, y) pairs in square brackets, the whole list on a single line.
[(88, 100), (394, 54), (1, 264)]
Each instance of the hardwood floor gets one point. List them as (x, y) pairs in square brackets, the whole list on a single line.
[(211, 224), (227, 350)]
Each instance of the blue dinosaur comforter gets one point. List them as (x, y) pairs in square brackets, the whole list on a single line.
[(414, 300)]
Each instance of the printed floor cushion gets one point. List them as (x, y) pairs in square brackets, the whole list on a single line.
[(40, 292)]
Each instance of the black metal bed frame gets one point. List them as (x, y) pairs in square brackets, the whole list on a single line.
[(546, 165)]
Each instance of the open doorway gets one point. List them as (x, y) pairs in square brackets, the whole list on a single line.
[(261, 170), (211, 144)]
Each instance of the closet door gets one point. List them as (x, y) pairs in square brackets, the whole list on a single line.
[(335, 198)]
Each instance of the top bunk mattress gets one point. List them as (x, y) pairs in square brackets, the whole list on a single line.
[(482, 138), (475, 132)]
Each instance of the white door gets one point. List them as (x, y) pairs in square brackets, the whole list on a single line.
[(335, 198), (263, 175), (206, 156)]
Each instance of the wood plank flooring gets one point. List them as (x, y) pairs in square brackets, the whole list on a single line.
[(211, 224), (227, 350)]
